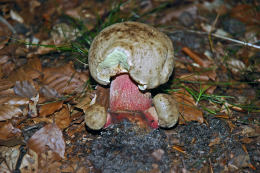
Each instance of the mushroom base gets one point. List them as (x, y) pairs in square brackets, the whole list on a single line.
[(144, 120)]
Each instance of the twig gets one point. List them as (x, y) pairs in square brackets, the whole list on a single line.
[(229, 39), (211, 30), (221, 37), (237, 41), (7, 24)]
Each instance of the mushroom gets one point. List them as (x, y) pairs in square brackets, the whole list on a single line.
[(166, 108), (96, 116), (137, 57)]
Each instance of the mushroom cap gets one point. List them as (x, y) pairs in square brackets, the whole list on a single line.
[(140, 50)]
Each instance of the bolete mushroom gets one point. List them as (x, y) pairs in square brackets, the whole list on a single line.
[(136, 57)]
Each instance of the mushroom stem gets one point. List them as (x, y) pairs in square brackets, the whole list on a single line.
[(125, 95), (127, 100)]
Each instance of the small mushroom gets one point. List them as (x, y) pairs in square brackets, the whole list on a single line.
[(135, 56), (95, 116), (167, 110)]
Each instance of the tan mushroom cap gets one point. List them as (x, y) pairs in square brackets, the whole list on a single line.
[(135, 48)]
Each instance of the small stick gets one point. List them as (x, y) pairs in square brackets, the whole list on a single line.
[(7, 24)]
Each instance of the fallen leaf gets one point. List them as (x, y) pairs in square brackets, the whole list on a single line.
[(7, 131), (64, 79), (5, 84), (236, 66), (187, 107), (250, 131), (9, 111), (48, 92), (31, 70), (239, 161), (24, 89), (51, 136), (13, 100), (10, 156), (172, 14), (50, 108), (246, 13), (30, 162), (247, 140), (62, 118)]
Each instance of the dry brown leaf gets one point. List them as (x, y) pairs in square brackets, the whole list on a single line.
[(50, 108), (30, 162), (5, 34), (247, 140), (51, 136), (249, 131), (7, 131), (49, 162), (24, 89), (29, 71), (204, 78), (9, 135), (9, 111), (7, 92), (187, 107), (65, 80), (48, 92), (10, 156), (13, 100), (7, 68), (47, 120), (5, 84), (102, 96), (44, 162), (84, 102), (246, 13), (194, 77), (172, 14), (62, 118)]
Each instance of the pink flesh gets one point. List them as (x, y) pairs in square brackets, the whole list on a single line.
[(126, 97)]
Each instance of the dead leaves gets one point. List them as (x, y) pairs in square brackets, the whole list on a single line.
[(65, 80), (62, 118), (187, 107), (50, 136), (31, 84), (31, 70), (30, 94), (49, 108), (7, 131), (9, 111)]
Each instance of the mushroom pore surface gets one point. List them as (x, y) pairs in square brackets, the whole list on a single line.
[(140, 50)]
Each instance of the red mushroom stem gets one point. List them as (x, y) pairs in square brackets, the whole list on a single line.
[(128, 102)]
